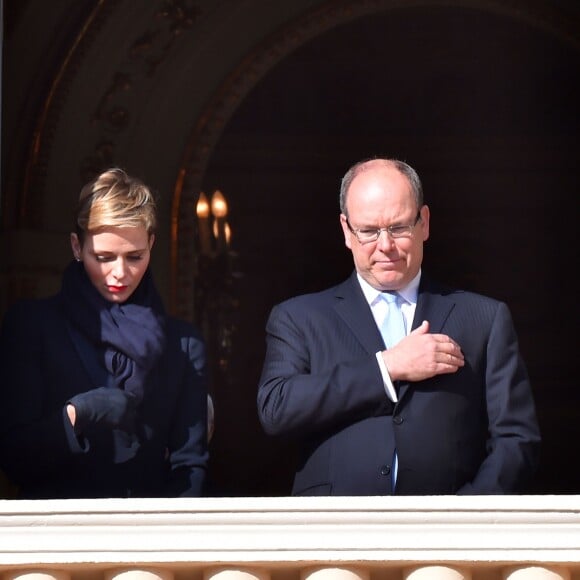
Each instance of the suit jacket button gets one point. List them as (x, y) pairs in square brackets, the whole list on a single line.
[(397, 419), (385, 470)]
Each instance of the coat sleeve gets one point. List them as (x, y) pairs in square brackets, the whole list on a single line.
[(514, 437), (188, 445), (314, 376), (36, 437)]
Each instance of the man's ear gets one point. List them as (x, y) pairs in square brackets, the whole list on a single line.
[(425, 215), (346, 231)]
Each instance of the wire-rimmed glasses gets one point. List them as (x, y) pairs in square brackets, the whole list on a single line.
[(368, 235)]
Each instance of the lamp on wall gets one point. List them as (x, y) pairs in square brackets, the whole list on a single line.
[(213, 295), (214, 239)]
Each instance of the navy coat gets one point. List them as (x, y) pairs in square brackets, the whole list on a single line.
[(42, 366)]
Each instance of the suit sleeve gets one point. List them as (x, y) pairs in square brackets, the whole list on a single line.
[(311, 381), (514, 437)]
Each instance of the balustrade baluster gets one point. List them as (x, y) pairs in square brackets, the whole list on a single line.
[(333, 573), (436, 573), (537, 573), (236, 574), (137, 574)]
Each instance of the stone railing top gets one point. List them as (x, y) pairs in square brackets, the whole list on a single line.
[(291, 529)]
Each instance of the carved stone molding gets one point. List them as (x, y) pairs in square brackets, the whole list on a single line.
[(147, 51)]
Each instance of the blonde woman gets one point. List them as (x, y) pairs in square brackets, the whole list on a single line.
[(103, 394)]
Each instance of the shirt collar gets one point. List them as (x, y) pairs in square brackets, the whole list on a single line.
[(408, 293)]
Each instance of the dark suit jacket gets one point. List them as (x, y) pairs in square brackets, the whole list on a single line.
[(41, 367), (471, 432)]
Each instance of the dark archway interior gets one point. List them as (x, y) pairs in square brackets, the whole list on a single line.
[(486, 109)]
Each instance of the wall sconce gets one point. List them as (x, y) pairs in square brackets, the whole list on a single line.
[(217, 236), (214, 299)]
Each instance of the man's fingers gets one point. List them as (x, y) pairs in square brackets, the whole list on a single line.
[(423, 329)]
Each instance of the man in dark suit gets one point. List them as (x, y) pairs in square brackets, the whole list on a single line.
[(446, 408)]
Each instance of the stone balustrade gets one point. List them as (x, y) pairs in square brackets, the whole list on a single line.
[(288, 538)]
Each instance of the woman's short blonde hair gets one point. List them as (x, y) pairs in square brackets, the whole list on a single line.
[(115, 199)]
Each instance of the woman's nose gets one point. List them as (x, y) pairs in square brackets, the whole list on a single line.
[(119, 268)]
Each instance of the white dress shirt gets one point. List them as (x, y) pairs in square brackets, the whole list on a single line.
[(378, 308)]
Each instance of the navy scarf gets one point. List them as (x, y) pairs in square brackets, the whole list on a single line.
[(129, 337)]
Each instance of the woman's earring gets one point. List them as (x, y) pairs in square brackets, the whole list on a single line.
[(77, 259)]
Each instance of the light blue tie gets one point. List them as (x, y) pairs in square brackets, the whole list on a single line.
[(393, 330), (393, 327)]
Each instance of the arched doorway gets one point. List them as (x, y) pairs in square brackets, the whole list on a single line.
[(480, 102)]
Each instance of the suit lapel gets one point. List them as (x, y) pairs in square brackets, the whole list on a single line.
[(432, 305), (351, 306)]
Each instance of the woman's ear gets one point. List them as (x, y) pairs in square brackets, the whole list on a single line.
[(151, 241), (75, 245)]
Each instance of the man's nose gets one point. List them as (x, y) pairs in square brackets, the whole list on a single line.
[(385, 242)]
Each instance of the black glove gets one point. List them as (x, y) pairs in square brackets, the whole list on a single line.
[(106, 405)]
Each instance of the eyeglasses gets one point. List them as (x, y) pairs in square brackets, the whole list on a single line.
[(368, 235)]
